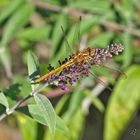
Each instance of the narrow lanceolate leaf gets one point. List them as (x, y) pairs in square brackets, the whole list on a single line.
[(5, 58), (60, 125), (61, 21), (128, 52), (3, 100), (38, 116), (32, 63), (47, 111), (35, 33), (123, 104), (10, 8), (20, 18), (105, 37), (33, 67)]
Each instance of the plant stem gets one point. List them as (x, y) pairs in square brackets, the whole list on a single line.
[(13, 108)]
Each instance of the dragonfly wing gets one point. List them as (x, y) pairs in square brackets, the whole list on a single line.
[(116, 70), (94, 75), (76, 37), (100, 81), (72, 46), (66, 43)]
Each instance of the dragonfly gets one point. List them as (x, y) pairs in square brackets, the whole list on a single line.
[(78, 64)]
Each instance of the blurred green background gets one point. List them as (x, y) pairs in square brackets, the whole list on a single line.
[(90, 111)]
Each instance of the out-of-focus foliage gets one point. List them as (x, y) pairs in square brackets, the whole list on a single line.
[(31, 38), (123, 103)]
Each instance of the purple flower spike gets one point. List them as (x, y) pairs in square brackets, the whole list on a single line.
[(102, 55), (79, 65)]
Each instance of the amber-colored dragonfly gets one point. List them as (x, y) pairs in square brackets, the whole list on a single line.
[(84, 55), (90, 55), (79, 64)]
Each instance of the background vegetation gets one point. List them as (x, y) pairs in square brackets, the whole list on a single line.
[(31, 29)]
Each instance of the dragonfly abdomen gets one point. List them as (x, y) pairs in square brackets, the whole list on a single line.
[(42, 78)]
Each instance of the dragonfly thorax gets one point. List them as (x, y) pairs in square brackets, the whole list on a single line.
[(83, 55)]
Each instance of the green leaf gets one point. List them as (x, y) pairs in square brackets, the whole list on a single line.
[(61, 104), (123, 104), (25, 87), (47, 111), (60, 125), (32, 62), (128, 9), (75, 103), (101, 40), (75, 125), (24, 44), (3, 100), (19, 19), (85, 26), (38, 116), (61, 21), (13, 92), (128, 51), (100, 7), (28, 127), (10, 8), (33, 67), (35, 33), (5, 57)]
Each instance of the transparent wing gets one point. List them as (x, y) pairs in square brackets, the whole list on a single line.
[(94, 75), (69, 50), (72, 46), (116, 70), (76, 37), (100, 81)]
